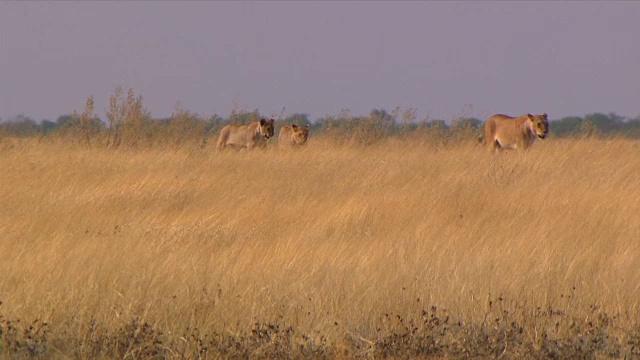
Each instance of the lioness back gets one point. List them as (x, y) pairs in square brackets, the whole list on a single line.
[(507, 132), (247, 136), (293, 136)]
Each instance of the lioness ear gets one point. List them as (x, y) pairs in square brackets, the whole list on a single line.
[(544, 115), (263, 121), (271, 121), (308, 126), (294, 126), (530, 116)]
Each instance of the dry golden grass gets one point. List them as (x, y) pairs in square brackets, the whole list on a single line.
[(330, 241)]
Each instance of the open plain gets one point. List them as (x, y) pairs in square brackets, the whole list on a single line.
[(401, 248)]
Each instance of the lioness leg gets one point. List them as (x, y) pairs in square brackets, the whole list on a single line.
[(222, 139), (494, 145)]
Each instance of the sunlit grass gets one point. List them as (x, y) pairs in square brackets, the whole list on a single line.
[(329, 240)]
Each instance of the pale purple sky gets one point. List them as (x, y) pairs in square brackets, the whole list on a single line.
[(445, 59)]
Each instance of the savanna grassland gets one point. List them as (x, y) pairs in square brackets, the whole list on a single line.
[(397, 249)]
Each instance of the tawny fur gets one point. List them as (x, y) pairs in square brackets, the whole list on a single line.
[(293, 136), (506, 132), (248, 136)]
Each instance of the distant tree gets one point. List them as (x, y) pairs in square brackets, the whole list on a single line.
[(214, 121), (298, 119), (87, 125), (186, 126), (212, 125), (241, 116), (370, 129), (336, 127), (604, 123), (129, 121), (617, 119), (630, 128), (566, 126), (48, 126), (328, 123), (64, 120), (466, 123), (437, 129), (382, 118), (465, 129), (115, 117), (436, 124), (405, 119), (137, 122), (20, 126), (431, 132)]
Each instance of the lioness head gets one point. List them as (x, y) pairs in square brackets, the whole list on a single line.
[(267, 128), (300, 134), (539, 124)]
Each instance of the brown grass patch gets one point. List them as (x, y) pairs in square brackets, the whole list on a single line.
[(332, 251)]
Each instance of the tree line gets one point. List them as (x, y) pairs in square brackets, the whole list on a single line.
[(129, 123)]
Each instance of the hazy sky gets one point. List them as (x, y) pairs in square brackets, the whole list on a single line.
[(446, 59)]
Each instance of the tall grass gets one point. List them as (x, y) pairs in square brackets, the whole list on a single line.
[(394, 249)]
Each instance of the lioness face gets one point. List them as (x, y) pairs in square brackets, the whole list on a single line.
[(267, 128), (539, 124), (300, 134)]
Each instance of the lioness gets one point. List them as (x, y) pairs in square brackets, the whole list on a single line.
[(506, 132), (293, 136), (246, 136)]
